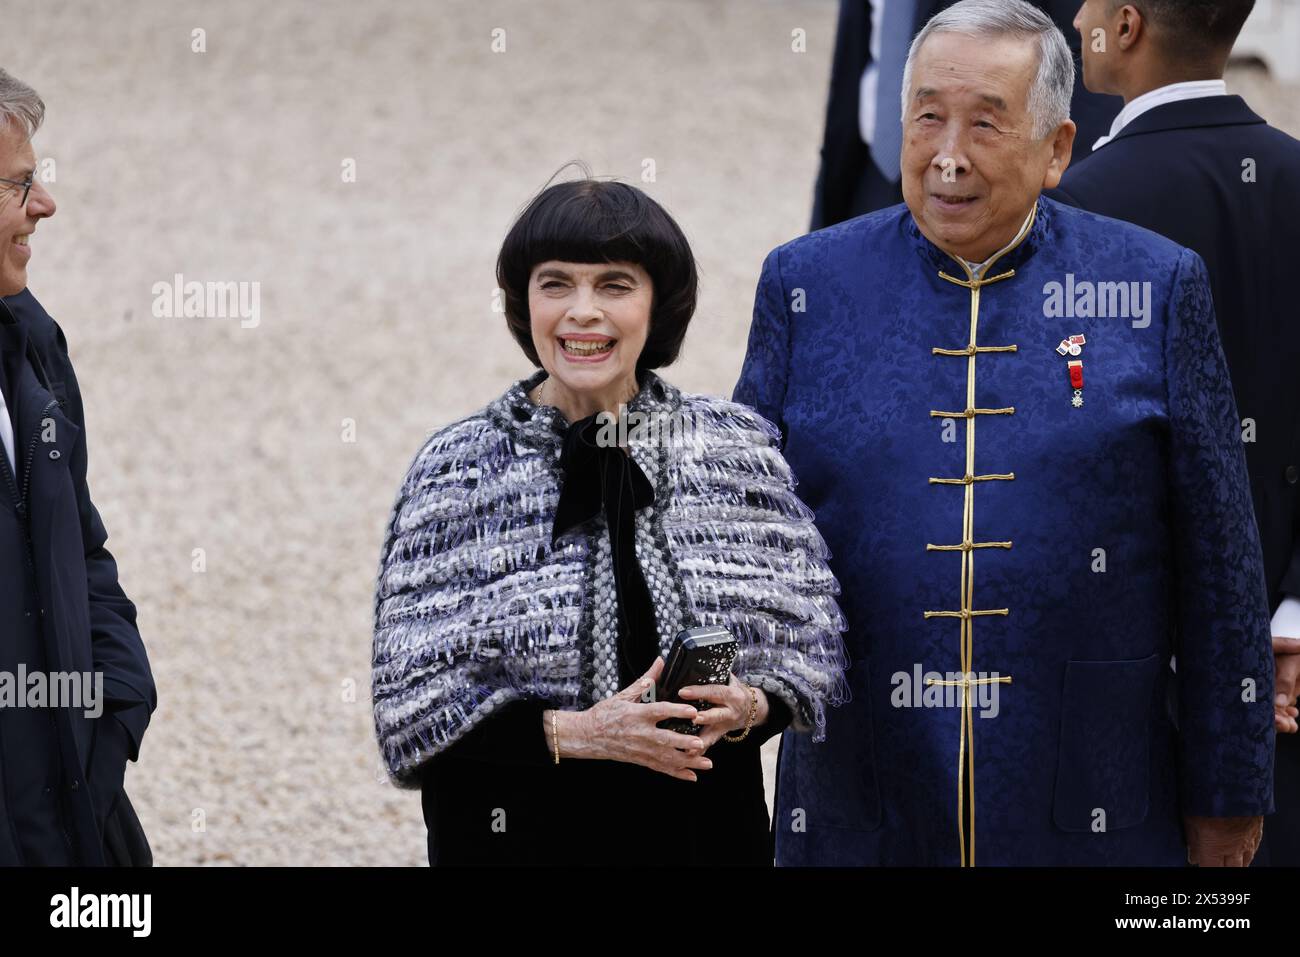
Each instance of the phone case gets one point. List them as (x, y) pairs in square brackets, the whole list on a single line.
[(699, 656)]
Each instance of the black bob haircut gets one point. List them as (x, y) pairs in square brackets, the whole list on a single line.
[(598, 221)]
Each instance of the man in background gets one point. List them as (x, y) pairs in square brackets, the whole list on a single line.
[(1188, 161), (62, 613), (859, 155)]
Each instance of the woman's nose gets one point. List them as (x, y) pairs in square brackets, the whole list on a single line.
[(584, 306)]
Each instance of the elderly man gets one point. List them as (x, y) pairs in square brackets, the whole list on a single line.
[(1014, 422), (65, 625)]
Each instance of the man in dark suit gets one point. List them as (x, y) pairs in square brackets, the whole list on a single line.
[(859, 155), (76, 690), (1188, 161)]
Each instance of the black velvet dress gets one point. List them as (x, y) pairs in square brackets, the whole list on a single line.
[(497, 797)]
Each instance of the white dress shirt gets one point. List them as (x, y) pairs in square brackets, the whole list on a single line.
[(1286, 620), (1189, 90)]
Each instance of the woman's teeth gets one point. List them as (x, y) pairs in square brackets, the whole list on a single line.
[(586, 348), (21, 240)]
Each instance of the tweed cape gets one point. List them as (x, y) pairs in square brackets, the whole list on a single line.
[(474, 608)]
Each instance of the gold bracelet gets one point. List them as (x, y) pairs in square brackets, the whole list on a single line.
[(753, 711), (555, 735)]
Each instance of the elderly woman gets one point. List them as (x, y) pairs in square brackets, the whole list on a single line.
[(536, 573)]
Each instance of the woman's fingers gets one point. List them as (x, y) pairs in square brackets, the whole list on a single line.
[(678, 742), (670, 752), (726, 710), (672, 762), (696, 762), (715, 716), (637, 688), (668, 709), (677, 755), (710, 737), (714, 694)]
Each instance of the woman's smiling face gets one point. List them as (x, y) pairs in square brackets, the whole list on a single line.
[(589, 323)]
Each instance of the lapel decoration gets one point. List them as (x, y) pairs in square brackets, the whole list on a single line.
[(1073, 347)]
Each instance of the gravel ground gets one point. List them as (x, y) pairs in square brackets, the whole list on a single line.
[(245, 472)]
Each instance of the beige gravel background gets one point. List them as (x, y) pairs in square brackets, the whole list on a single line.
[(375, 309)]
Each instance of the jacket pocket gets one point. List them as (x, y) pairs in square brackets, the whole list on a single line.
[(1104, 762), (835, 780)]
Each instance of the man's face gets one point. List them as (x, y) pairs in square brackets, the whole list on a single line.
[(971, 165), (1097, 54), (17, 223)]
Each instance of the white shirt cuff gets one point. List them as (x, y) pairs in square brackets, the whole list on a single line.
[(1286, 620)]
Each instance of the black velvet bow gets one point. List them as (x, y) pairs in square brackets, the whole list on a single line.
[(605, 476)]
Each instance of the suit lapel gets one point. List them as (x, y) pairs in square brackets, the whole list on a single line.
[(1205, 111)]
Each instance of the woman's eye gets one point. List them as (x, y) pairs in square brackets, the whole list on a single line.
[(552, 284), (985, 123), (618, 288)]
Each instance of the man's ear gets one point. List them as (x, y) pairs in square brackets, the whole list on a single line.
[(1062, 150), (1128, 26)]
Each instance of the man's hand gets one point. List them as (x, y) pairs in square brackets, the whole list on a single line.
[(1286, 668), (1222, 841)]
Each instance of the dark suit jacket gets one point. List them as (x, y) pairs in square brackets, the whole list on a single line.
[(1178, 170), (1181, 170), (848, 183), (86, 621)]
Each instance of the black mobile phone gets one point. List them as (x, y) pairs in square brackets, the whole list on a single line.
[(699, 656)]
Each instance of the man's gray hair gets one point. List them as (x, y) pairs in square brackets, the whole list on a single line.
[(1049, 97), (20, 104)]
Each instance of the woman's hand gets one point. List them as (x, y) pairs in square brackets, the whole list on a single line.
[(622, 728), (730, 712)]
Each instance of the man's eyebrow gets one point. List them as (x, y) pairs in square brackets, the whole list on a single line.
[(990, 98)]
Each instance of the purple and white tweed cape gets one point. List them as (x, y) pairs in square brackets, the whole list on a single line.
[(474, 608)]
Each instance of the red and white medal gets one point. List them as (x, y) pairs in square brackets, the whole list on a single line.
[(1073, 347)]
